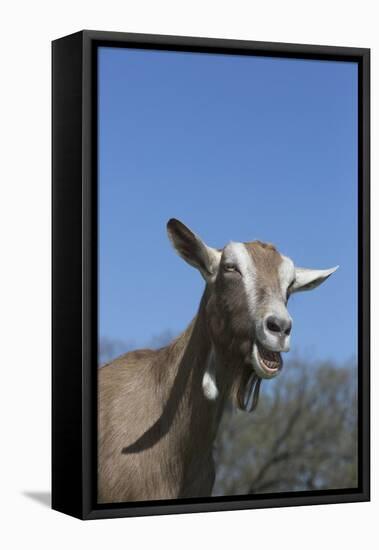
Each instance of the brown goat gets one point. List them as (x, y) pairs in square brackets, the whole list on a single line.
[(159, 411)]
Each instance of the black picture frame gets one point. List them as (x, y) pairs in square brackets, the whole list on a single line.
[(74, 272)]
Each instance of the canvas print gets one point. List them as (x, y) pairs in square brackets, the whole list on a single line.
[(227, 275)]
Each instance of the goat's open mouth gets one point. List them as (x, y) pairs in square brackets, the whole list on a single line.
[(266, 363)]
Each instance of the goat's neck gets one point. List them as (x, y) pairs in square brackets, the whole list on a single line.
[(198, 412)]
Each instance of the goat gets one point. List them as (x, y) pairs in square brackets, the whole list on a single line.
[(159, 410)]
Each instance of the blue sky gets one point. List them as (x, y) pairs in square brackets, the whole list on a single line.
[(239, 148)]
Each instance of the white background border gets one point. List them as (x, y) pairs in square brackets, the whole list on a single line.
[(25, 119)]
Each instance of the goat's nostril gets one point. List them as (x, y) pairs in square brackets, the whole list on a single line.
[(273, 325), (279, 325)]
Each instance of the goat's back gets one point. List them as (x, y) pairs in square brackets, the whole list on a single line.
[(149, 447), (128, 402)]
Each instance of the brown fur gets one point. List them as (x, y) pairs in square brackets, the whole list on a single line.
[(153, 442), (156, 427)]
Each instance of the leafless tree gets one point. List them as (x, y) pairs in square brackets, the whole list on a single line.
[(303, 435)]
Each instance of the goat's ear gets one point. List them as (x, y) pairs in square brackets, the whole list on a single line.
[(308, 279), (193, 250)]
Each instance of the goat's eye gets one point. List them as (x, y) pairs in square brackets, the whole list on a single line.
[(289, 290), (230, 268)]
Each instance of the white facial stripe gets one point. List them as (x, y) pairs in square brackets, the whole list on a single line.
[(238, 254), (286, 274)]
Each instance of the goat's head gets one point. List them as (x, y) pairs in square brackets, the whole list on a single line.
[(248, 286)]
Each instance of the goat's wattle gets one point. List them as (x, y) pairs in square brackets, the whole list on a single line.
[(248, 394)]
